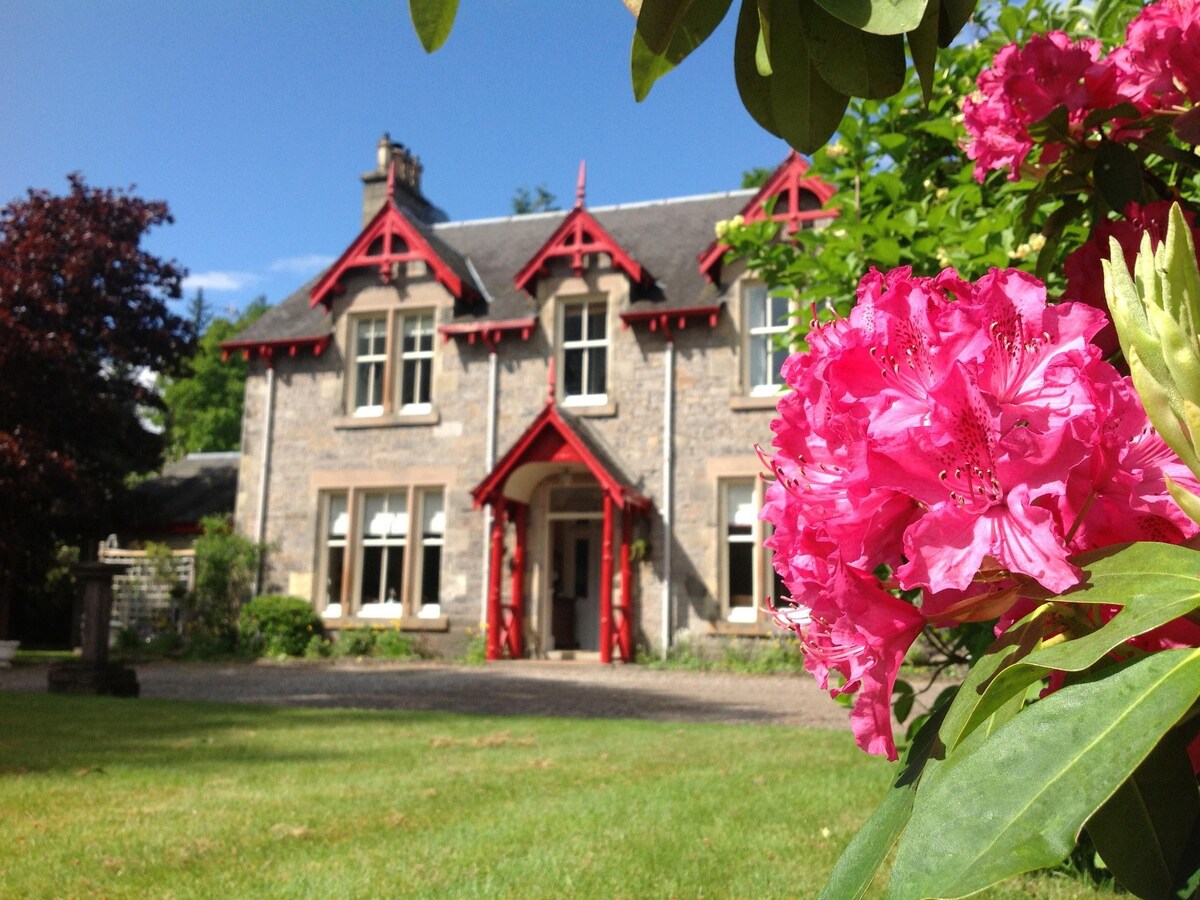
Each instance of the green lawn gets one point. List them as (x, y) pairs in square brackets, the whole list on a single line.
[(141, 798)]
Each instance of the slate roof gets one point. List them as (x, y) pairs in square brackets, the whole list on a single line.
[(665, 236), (200, 484)]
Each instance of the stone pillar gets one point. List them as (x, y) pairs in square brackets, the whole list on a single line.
[(93, 673)]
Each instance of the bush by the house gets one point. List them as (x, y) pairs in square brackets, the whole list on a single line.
[(278, 625)]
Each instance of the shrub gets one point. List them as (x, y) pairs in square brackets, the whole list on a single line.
[(275, 624), (355, 642)]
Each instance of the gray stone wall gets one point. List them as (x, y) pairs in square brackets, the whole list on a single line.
[(316, 446)]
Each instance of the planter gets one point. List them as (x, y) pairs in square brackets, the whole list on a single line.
[(8, 649)]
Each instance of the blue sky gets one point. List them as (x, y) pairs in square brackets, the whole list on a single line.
[(255, 120)]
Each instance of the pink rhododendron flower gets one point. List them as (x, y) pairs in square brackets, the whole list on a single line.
[(1160, 61), (1023, 86), (958, 439)]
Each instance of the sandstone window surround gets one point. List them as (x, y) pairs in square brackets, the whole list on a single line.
[(391, 364), (583, 351), (381, 555), (747, 577)]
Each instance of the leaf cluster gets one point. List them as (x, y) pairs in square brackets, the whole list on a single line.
[(83, 317)]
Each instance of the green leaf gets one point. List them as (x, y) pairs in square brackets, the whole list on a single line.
[(1011, 647), (753, 86), (1034, 783), (804, 107), (954, 15), (1142, 831), (700, 19), (1118, 174), (657, 21), (879, 16), (922, 46), (432, 20), (856, 867), (1153, 583), (851, 61)]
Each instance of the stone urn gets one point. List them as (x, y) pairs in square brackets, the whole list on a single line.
[(8, 649)]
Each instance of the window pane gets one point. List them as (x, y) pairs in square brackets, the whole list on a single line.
[(760, 352), (779, 310), (334, 563), (433, 519), (756, 302), (595, 328), (376, 384), (411, 382), (339, 519), (779, 356), (740, 504), (573, 372), (741, 574), (572, 324), (431, 575), (597, 365), (362, 389), (372, 573), (393, 577)]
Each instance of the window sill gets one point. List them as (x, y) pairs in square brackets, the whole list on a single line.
[(387, 420), (404, 623), (592, 410), (769, 401)]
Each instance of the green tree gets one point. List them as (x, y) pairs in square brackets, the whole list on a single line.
[(540, 199), (204, 404)]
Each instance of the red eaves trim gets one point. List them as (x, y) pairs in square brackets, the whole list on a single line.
[(788, 179), (268, 350), (664, 320), (577, 236), (549, 438), (401, 243), (488, 332)]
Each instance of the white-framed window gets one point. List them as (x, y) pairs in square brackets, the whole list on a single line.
[(584, 349), (336, 517), (416, 362), (374, 562), (747, 576), (391, 365), (433, 538), (384, 538), (370, 364), (767, 320)]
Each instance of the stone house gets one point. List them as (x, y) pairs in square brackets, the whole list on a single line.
[(541, 426)]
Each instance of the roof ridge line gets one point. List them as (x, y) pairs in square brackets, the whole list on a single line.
[(528, 217)]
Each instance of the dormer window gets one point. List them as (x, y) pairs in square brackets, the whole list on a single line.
[(370, 365), (391, 366), (584, 348)]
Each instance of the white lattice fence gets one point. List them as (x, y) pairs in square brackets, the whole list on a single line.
[(142, 593)]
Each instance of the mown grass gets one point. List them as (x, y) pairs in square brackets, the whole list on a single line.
[(121, 798)]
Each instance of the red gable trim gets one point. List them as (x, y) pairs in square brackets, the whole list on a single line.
[(577, 236), (489, 332), (550, 439), (788, 180), (269, 349), (388, 239), (663, 320)]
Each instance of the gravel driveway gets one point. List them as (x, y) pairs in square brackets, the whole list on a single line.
[(523, 688)]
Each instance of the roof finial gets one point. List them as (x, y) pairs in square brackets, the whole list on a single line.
[(550, 381), (581, 189)]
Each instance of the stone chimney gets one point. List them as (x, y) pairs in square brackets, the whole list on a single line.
[(406, 189)]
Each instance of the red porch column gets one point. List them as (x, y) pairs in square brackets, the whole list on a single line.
[(606, 573), (516, 627), (625, 623), (494, 613)]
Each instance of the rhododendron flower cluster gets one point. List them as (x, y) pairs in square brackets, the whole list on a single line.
[(958, 439), (1158, 68)]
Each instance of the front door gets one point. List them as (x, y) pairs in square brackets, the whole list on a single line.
[(575, 610)]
